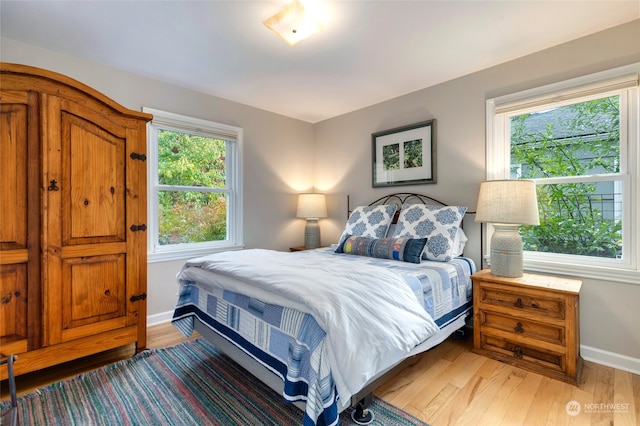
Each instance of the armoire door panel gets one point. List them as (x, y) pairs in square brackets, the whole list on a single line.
[(13, 175), (93, 183), (13, 303), (20, 291), (88, 260), (94, 288)]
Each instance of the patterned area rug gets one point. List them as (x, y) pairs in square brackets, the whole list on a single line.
[(187, 384)]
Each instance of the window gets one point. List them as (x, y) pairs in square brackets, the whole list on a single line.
[(195, 192), (578, 141)]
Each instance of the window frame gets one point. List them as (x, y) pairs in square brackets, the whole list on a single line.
[(233, 136), (623, 81)]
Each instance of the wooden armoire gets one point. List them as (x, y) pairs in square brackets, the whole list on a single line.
[(73, 265)]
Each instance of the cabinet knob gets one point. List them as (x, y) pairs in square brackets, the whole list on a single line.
[(517, 352), (518, 328), (53, 185), (518, 303)]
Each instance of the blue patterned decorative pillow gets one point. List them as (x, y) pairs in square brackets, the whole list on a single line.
[(438, 225), (367, 221), (403, 249)]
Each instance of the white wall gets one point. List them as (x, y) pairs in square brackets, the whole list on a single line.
[(609, 311), (285, 156)]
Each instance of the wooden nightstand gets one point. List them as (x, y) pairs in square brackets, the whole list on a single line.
[(298, 248), (532, 322)]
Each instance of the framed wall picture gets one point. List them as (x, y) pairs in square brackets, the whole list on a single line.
[(405, 155)]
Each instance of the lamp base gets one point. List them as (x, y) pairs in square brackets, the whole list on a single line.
[(506, 251), (312, 234)]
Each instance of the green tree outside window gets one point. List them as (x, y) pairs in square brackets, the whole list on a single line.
[(575, 140), (186, 214)]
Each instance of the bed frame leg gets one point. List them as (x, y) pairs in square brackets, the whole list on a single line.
[(461, 334), (361, 414)]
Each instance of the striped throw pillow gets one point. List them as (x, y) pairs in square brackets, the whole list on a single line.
[(402, 249)]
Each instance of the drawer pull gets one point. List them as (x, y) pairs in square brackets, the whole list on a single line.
[(518, 328), (518, 303), (517, 352)]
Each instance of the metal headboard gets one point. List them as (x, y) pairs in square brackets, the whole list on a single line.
[(400, 198)]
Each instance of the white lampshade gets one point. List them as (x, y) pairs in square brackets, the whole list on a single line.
[(293, 23), (311, 206), (509, 202)]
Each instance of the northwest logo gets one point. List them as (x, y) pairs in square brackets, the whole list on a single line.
[(573, 408)]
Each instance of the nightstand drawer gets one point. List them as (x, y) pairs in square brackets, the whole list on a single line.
[(531, 302), (523, 353), (522, 327)]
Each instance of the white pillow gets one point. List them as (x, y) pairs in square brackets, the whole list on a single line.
[(459, 242), (367, 221), (439, 225)]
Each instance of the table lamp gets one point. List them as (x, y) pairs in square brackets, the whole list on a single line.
[(507, 204), (312, 207)]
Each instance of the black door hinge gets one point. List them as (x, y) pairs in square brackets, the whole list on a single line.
[(136, 156), (135, 228), (137, 297)]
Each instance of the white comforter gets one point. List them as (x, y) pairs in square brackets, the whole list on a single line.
[(371, 316)]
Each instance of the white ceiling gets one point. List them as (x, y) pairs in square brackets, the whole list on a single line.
[(368, 51)]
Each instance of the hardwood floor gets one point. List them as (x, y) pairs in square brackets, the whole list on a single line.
[(450, 385)]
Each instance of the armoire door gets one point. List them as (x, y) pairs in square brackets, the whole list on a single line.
[(20, 313), (91, 263)]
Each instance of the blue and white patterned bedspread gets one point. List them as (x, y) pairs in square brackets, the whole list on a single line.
[(446, 287), (291, 344), (286, 341)]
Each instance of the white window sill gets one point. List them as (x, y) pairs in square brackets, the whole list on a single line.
[(583, 271), (189, 253)]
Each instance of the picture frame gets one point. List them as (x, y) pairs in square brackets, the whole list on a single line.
[(404, 155)]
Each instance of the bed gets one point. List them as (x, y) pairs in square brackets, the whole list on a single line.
[(324, 327)]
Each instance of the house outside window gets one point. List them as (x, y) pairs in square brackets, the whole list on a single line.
[(578, 140), (195, 192)]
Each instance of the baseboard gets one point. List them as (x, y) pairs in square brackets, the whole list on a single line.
[(610, 359), (160, 318)]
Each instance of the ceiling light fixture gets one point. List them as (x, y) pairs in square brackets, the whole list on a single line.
[(293, 23)]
